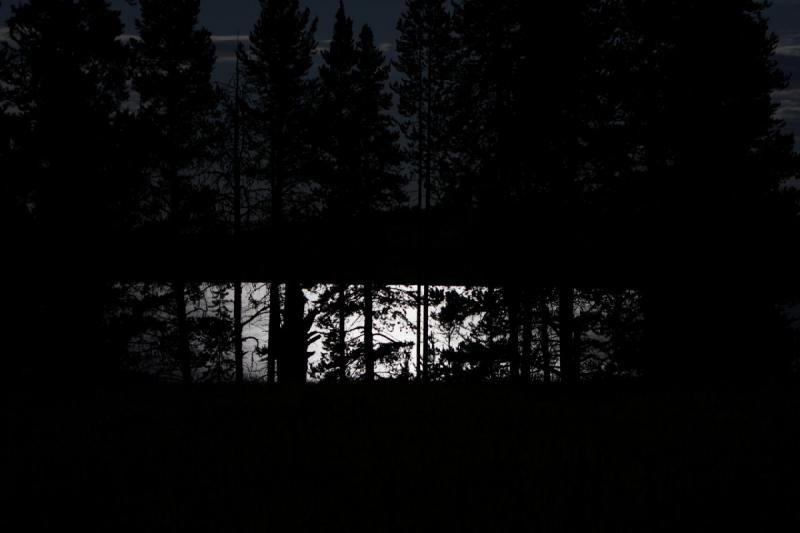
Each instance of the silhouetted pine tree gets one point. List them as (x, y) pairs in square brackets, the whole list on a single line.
[(426, 60), (240, 198), (65, 82), (236, 170), (484, 130), (709, 157), (16, 190), (337, 122), (545, 360), (276, 64), (379, 183), (172, 76), (339, 344), (337, 126)]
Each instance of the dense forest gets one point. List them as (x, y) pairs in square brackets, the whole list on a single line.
[(559, 192), (540, 260)]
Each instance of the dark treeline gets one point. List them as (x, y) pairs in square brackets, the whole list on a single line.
[(584, 135)]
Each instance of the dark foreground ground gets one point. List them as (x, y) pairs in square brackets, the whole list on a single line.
[(404, 458)]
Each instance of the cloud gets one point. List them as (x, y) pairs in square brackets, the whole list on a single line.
[(125, 37), (788, 112), (386, 47), (226, 58), (323, 46), (788, 94), (230, 38), (789, 50)]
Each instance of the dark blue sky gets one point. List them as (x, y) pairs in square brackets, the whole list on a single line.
[(226, 18)]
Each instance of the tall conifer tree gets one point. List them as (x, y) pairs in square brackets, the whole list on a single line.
[(65, 82), (426, 61), (336, 123), (276, 64), (172, 76)]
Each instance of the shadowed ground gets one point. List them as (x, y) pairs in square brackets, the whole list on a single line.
[(405, 458)]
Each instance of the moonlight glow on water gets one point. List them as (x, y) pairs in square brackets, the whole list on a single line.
[(453, 328)]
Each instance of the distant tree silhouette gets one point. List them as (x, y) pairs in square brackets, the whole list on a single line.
[(172, 76), (276, 64)]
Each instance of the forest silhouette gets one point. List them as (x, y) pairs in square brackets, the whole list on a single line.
[(564, 193), (621, 159)]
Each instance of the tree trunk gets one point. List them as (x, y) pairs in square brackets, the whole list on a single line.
[(237, 332), (292, 361), (274, 339), (342, 333), (237, 226), (421, 229), (544, 337), (527, 335), (418, 302), (184, 353), (369, 357), (488, 364), (512, 303), (425, 341), (569, 362)]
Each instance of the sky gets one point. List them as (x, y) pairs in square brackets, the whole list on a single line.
[(228, 18)]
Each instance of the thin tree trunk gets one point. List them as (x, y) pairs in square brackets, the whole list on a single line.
[(544, 337), (237, 332), (184, 353), (513, 332), (490, 294), (420, 233), (369, 356), (527, 335), (425, 341), (569, 363), (237, 227), (274, 339), (179, 286), (426, 345), (418, 302), (292, 360), (342, 333)]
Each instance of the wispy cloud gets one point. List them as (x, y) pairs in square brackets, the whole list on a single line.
[(230, 38), (125, 37), (789, 50), (323, 46), (788, 94), (226, 58), (788, 111)]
